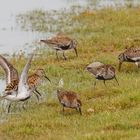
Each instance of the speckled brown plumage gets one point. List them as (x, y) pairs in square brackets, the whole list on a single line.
[(106, 71), (61, 42), (69, 99), (102, 71), (131, 54), (59, 39), (34, 81), (10, 71), (13, 86)]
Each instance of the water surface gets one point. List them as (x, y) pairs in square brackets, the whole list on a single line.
[(14, 40)]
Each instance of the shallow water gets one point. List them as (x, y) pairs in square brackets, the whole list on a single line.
[(116, 3), (13, 40)]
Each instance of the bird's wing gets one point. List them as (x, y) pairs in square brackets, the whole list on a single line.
[(106, 71), (10, 71), (54, 42), (95, 64), (59, 40), (93, 67), (24, 75), (11, 88), (101, 71)]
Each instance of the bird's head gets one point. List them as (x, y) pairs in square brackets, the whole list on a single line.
[(40, 72), (121, 57)]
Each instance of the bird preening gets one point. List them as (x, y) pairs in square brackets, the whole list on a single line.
[(68, 99), (102, 72)]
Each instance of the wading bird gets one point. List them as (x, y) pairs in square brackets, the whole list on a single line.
[(14, 85), (61, 42), (102, 72), (35, 80), (69, 99), (131, 54)]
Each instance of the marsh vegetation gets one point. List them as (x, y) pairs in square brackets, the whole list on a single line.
[(102, 34)]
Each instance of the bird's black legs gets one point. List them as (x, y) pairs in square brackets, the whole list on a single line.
[(9, 107), (76, 51), (63, 109), (36, 95), (23, 106), (94, 83), (120, 64), (38, 92), (116, 80), (79, 109), (104, 83), (57, 55), (64, 56)]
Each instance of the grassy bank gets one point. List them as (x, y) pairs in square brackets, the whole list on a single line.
[(101, 36)]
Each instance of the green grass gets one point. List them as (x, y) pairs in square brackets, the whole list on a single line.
[(101, 36)]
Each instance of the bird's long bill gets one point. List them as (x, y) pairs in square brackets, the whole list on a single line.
[(76, 52), (120, 64), (47, 78), (42, 40)]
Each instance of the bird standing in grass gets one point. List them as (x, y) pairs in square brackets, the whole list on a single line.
[(35, 80), (102, 72), (61, 42), (13, 82), (69, 99), (131, 54)]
